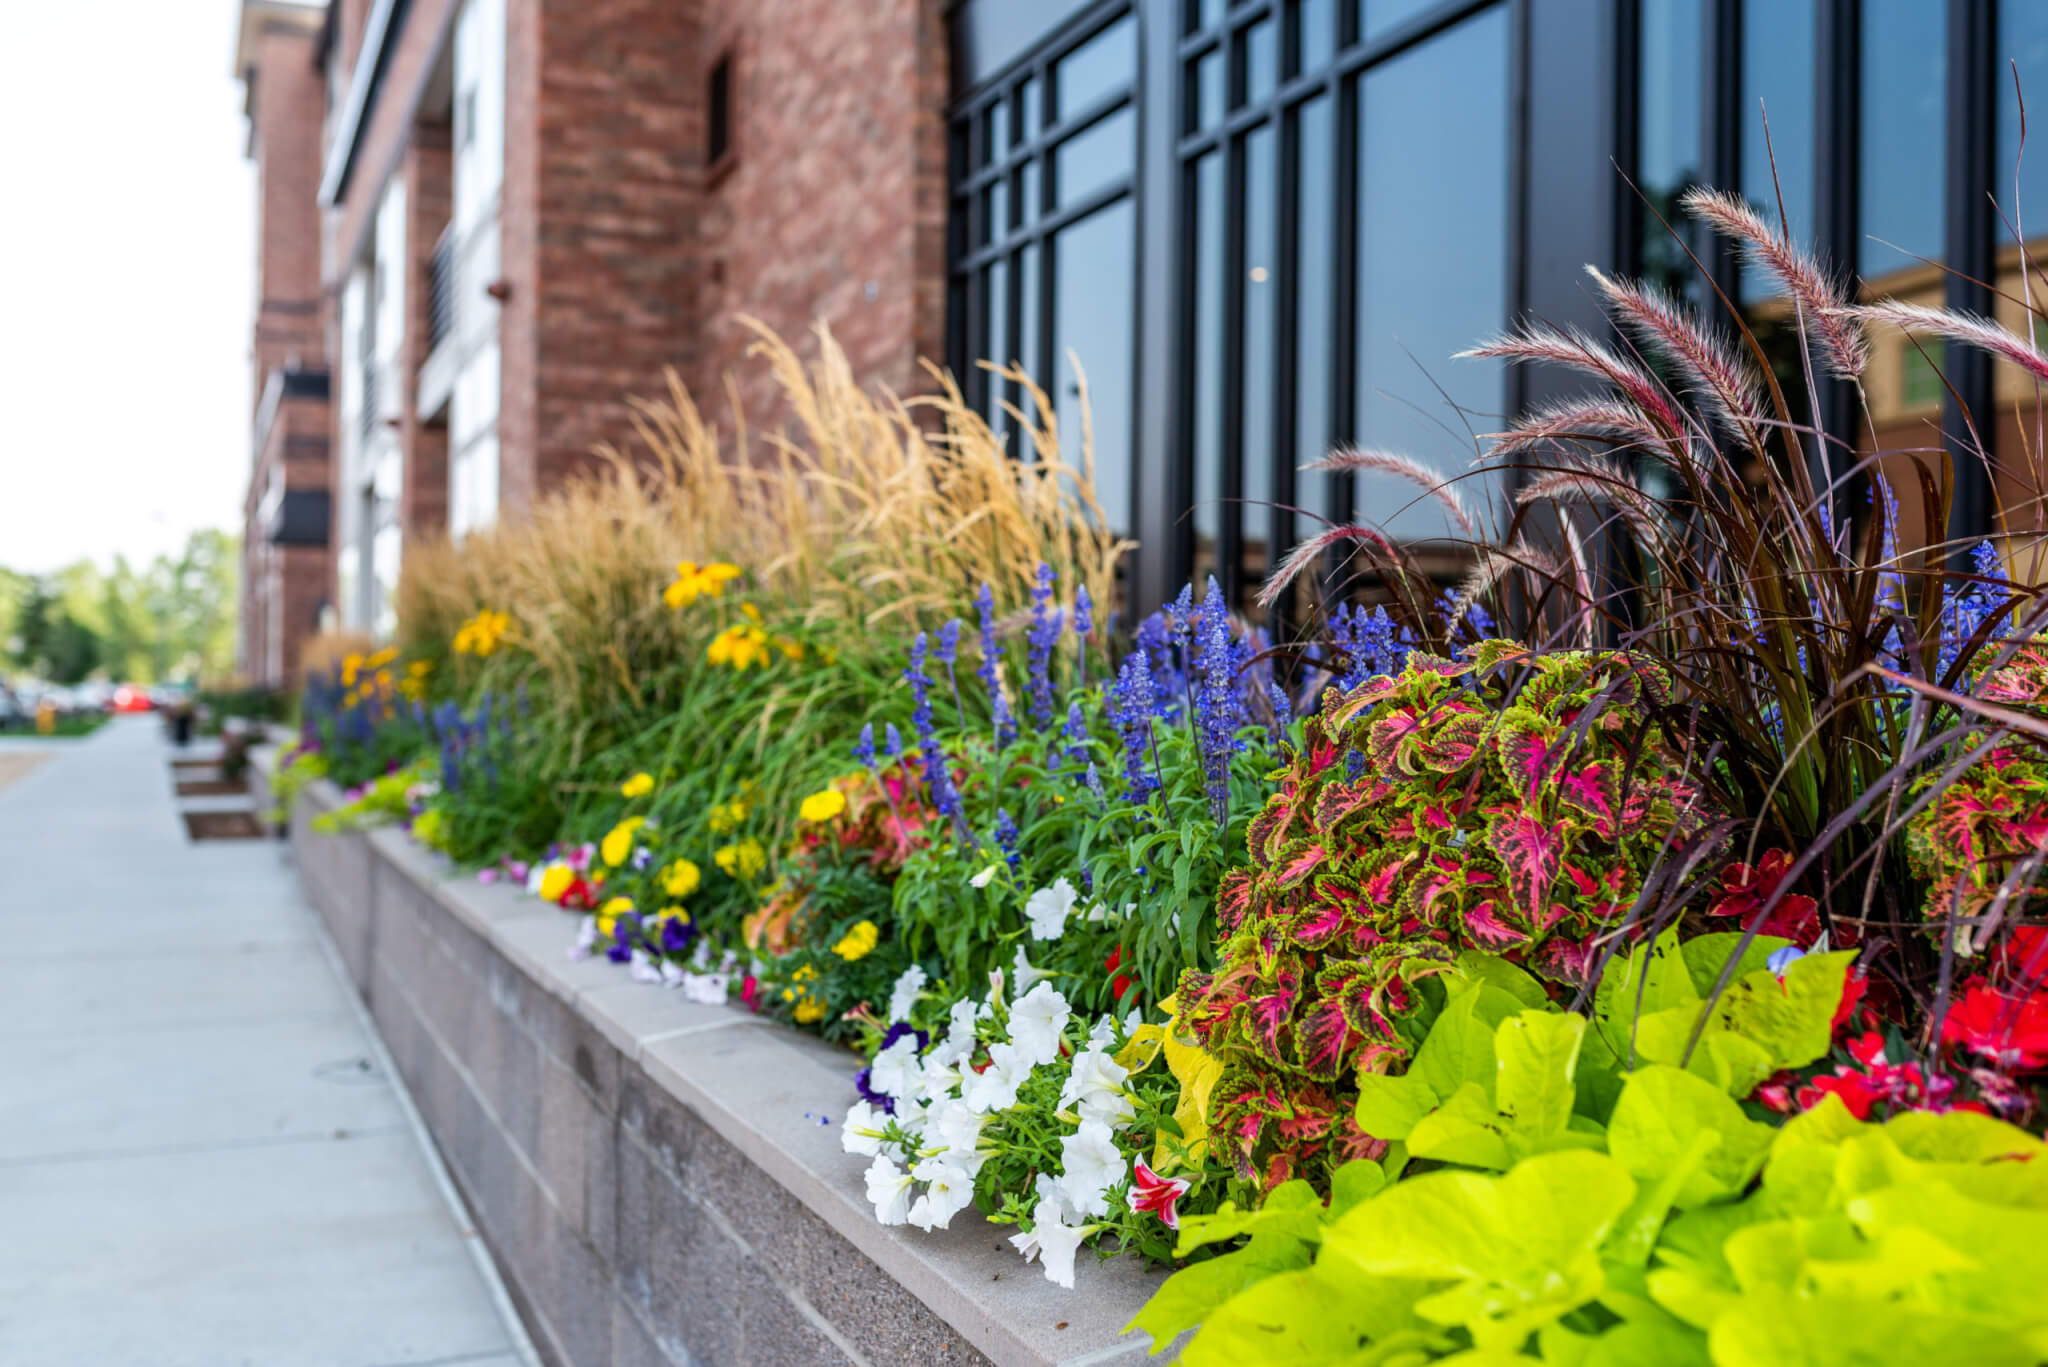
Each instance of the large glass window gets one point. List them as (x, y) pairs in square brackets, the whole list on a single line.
[(1044, 242), (1432, 259), (1669, 151), (1344, 164), (1777, 111)]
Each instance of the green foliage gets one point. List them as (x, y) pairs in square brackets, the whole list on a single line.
[(297, 769), (1499, 802), (173, 619), (380, 802), (1654, 1221)]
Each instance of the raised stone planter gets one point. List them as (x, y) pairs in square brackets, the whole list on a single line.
[(655, 1177)]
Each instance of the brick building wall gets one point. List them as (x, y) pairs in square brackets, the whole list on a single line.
[(289, 101), (603, 182), (620, 252), (283, 587), (834, 206)]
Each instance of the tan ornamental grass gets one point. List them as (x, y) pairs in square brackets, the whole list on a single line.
[(864, 512)]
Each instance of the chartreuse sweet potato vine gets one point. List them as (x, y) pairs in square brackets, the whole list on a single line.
[(1582, 1211)]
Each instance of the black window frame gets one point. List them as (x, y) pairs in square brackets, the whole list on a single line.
[(1975, 77)]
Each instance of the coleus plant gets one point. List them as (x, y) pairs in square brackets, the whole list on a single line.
[(1988, 827), (1502, 801)]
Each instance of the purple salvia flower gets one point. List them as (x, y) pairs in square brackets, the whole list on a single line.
[(1215, 707), (1044, 634), (1076, 733), (1006, 837), (893, 740), (1084, 627), (949, 650), (1134, 720), (864, 748)]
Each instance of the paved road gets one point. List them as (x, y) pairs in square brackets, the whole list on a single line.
[(199, 1161)]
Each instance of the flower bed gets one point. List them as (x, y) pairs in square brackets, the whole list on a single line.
[(1631, 949)]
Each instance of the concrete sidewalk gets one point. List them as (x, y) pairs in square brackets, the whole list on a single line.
[(200, 1162)]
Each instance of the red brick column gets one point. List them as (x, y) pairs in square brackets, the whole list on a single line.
[(427, 172)]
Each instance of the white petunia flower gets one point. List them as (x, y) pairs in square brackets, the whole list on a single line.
[(533, 876), (1049, 908), (905, 993), (994, 1088), (897, 1072), (1037, 1020), (942, 1077), (889, 1191), (1025, 975), (1095, 1087), (586, 939), (1057, 1242), (958, 1127), (1091, 1165), (1052, 1202), (948, 1190), (641, 968), (711, 989), (1102, 1034), (985, 877), (862, 1133)]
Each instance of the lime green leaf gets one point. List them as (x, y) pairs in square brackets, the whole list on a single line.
[(1292, 1209), (1465, 1129), (1479, 966), (1390, 1107), (1705, 955), (1356, 1181), (1661, 1112), (1302, 1317), (1459, 1048), (1777, 1328), (1790, 1017), (1520, 1250), (1184, 1299), (1538, 1054), (1635, 1235)]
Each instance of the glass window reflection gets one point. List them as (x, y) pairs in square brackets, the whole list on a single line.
[(1097, 69), (1432, 258), (1093, 307)]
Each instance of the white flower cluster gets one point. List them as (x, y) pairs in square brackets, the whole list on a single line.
[(927, 1154)]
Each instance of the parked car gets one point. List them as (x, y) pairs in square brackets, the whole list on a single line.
[(129, 698), (13, 712)]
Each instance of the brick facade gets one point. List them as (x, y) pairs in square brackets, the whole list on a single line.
[(834, 205), (620, 253), (603, 175), (284, 587)]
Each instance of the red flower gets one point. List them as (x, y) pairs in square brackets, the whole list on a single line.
[(1150, 1191), (1853, 1087), (1854, 984), (2022, 953), (1868, 1048), (2013, 1032), (750, 989), (1121, 982), (1746, 887)]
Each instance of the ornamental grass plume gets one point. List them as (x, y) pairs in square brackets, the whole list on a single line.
[(1822, 639)]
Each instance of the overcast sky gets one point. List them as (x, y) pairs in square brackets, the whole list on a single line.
[(126, 273)]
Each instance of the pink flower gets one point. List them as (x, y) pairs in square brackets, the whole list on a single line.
[(1150, 1191)]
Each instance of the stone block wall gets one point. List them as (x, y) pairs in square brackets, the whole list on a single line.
[(651, 1175)]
